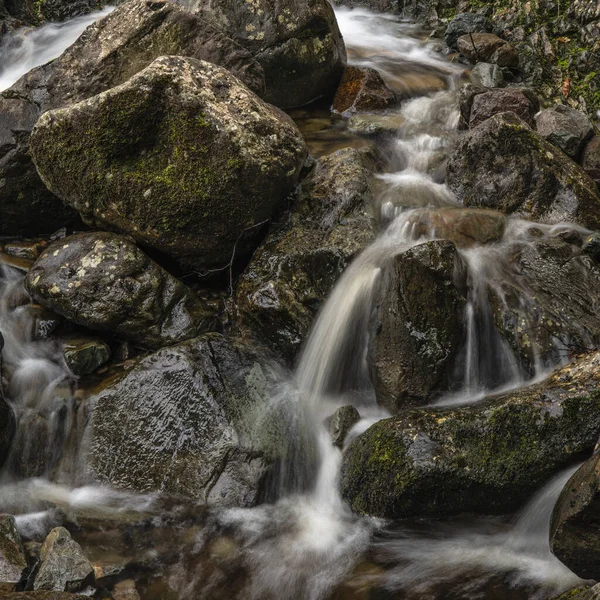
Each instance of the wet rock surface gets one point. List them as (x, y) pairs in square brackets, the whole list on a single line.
[(85, 355), (12, 555), (62, 565), (487, 47), (183, 158), (341, 422), (484, 458), (503, 164), (297, 266), (417, 327), (565, 127), (193, 420), (361, 89), (103, 281)]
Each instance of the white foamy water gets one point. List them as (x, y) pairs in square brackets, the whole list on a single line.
[(28, 48)]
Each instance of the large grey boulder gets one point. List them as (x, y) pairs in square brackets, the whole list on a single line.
[(12, 555), (503, 164), (418, 325), (293, 271), (565, 127), (104, 282), (62, 565), (108, 53), (193, 419), (182, 157), (486, 458), (298, 44)]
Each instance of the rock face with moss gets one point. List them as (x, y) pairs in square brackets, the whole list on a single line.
[(574, 537), (12, 555), (182, 157), (486, 458), (108, 53), (290, 275), (102, 281), (503, 164), (417, 324), (192, 419), (298, 44)]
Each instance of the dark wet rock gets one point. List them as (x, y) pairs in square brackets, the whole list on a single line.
[(503, 164), (22, 13), (375, 124), (103, 281), (591, 159), (85, 355), (28, 249), (12, 555), (341, 422), (108, 53), (462, 24), (361, 89), (193, 420), (297, 266), (62, 566), (386, 6), (417, 327), (40, 595), (487, 47), (524, 105), (485, 458), (298, 44), (548, 305), (46, 321), (565, 127), (487, 75), (591, 246), (574, 536), (7, 421), (183, 158)]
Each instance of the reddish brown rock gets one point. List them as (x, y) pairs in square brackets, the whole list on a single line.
[(497, 101), (361, 89), (487, 47)]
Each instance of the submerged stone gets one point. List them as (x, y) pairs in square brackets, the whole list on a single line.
[(485, 458), (183, 157)]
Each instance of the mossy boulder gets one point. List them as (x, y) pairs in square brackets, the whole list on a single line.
[(193, 419), (483, 458), (417, 325), (503, 164), (307, 250), (105, 282), (182, 157), (108, 53), (297, 43), (12, 555), (574, 536)]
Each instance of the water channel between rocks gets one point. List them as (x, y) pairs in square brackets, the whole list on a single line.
[(307, 544)]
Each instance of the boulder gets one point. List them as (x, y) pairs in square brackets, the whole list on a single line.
[(417, 324), (465, 23), (361, 89), (341, 422), (565, 127), (591, 159), (298, 44), (62, 565), (487, 47), (85, 355), (193, 420), (574, 536), (108, 53), (487, 75), (292, 273), (102, 281), (485, 458), (182, 157), (497, 101), (503, 164), (12, 555), (375, 124)]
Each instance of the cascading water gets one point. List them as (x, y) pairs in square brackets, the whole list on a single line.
[(307, 542)]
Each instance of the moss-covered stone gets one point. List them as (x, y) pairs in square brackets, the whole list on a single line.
[(484, 458), (182, 157)]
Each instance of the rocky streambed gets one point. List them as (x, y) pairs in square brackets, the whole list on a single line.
[(295, 302)]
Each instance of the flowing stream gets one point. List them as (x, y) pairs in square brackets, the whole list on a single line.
[(307, 545)]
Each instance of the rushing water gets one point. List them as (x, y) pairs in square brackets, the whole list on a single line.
[(307, 544)]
